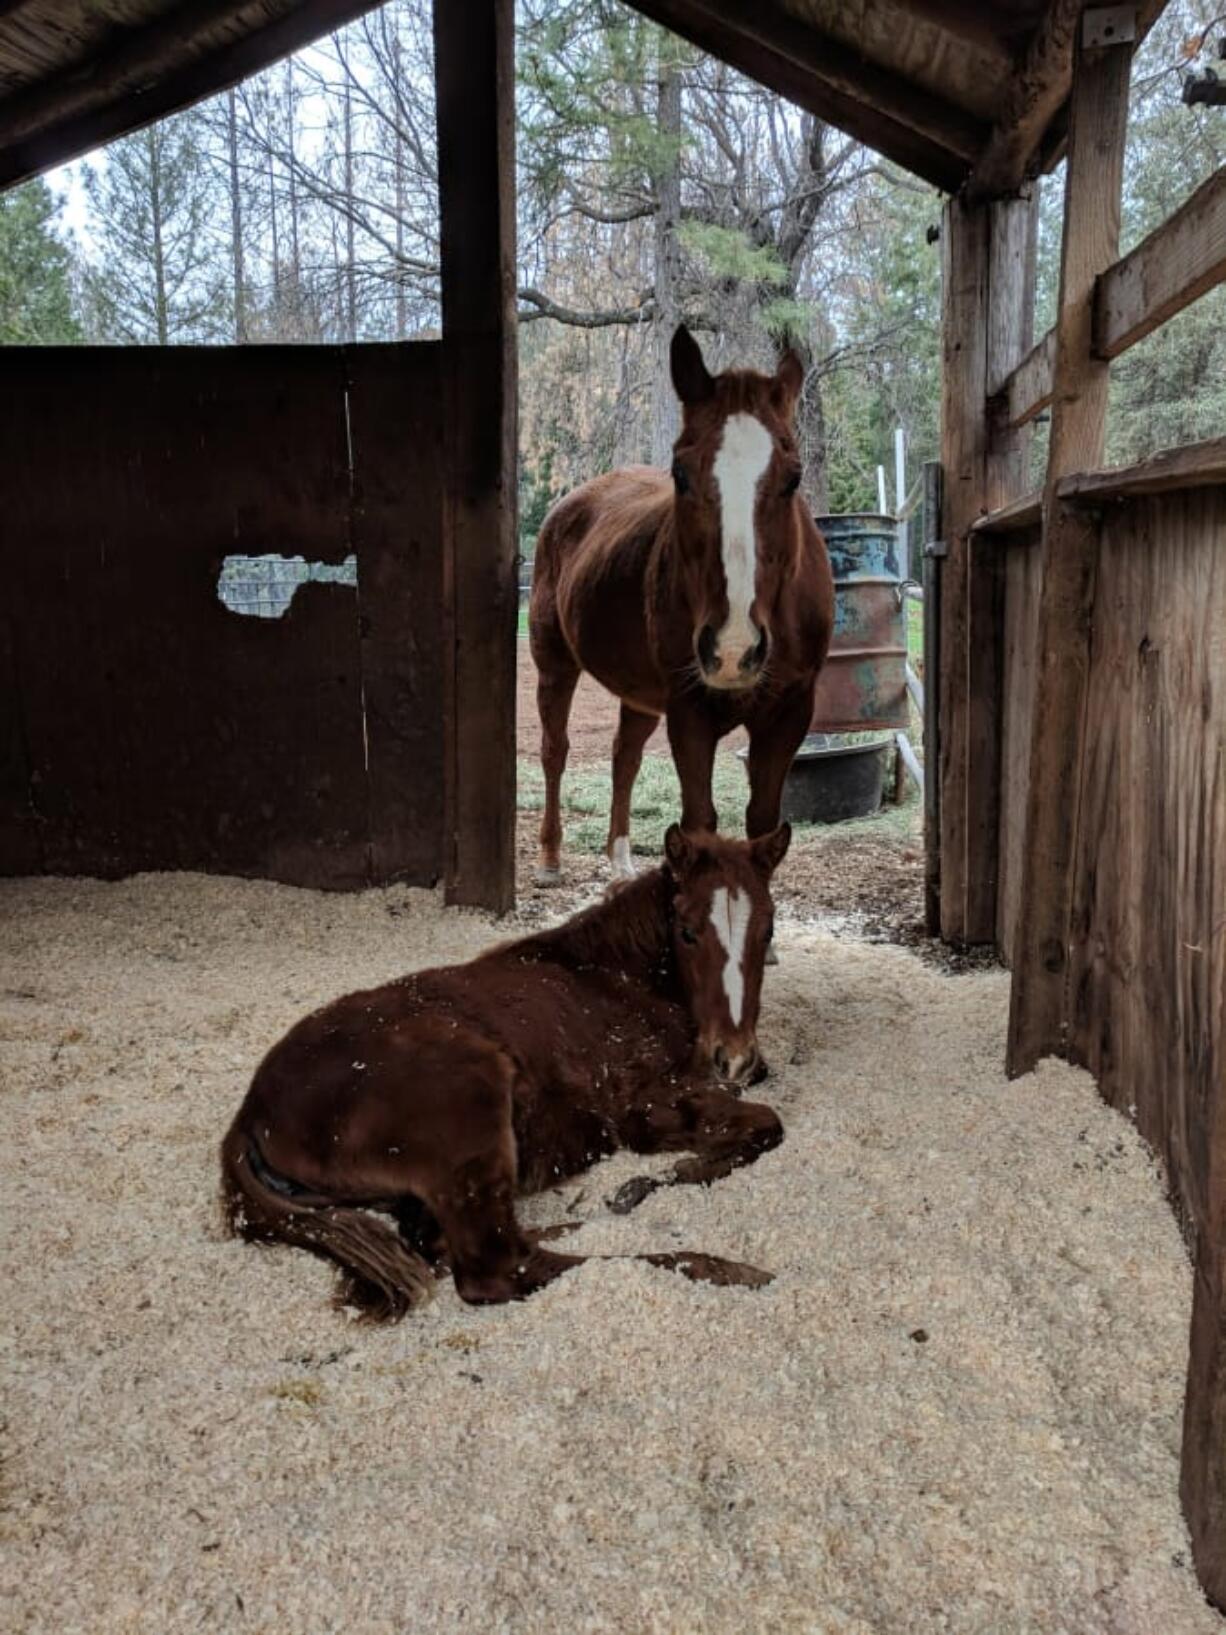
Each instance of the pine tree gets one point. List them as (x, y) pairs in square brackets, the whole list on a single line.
[(35, 288), (158, 222)]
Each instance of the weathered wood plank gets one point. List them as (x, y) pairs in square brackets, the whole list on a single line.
[(1098, 117), (931, 571), (1148, 924), (1022, 583), (475, 73), (1195, 465), (1010, 326), (1166, 272), (1026, 390), (1035, 94), (965, 245), (1019, 518)]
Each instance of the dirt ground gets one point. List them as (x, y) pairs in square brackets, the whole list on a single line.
[(955, 1409)]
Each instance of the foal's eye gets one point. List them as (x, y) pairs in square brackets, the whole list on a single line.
[(688, 934), (792, 484), (680, 477)]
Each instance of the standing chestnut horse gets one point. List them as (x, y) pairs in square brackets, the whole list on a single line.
[(705, 596), (435, 1098)]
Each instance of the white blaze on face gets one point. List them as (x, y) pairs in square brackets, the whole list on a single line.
[(744, 455), (730, 914)]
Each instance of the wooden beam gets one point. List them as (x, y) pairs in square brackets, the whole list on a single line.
[(1195, 465), (1019, 517), (1012, 245), (965, 245), (1098, 119), (739, 36), (1026, 390), (137, 80), (475, 80), (1032, 101), (1166, 272)]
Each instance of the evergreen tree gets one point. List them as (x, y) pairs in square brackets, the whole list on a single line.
[(158, 223), (35, 288)]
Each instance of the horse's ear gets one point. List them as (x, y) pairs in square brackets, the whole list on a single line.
[(789, 380), (691, 378), (678, 849), (770, 850)]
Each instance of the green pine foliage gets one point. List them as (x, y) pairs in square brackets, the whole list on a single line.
[(35, 271)]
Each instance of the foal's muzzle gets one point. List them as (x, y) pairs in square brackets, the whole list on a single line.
[(722, 668)]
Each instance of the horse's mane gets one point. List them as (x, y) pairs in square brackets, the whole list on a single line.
[(627, 928)]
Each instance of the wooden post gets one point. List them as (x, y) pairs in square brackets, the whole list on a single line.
[(1097, 120), (474, 71), (1012, 239), (931, 571), (964, 329)]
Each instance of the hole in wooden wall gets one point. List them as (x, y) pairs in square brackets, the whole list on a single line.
[(262, 587)]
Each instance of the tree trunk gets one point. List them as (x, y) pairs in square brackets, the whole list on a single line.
[(402, 315), (161, 315), (811, 434), (290, 118), (665, 412), (236, 224), (351, 289)]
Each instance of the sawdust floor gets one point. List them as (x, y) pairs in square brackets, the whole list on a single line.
[(956, 1408)]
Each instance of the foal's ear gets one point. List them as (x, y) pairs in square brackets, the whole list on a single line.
[(691, 379), (789, 379), (770, 850), (678, 849)]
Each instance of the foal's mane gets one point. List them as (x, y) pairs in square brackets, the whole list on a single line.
[(629, 926)]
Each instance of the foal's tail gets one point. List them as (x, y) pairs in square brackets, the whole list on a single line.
[(380, 1274)]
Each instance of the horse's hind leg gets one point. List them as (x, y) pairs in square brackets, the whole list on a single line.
[(633, 730), (557, 678)]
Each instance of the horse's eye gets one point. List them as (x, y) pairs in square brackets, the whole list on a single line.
[(792, 484), (680, 477), (688, 934)]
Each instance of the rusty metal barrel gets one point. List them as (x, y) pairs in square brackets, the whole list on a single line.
[(864, 683)]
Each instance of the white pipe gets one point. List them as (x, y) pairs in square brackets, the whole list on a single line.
[(909, 759), (881, 500)]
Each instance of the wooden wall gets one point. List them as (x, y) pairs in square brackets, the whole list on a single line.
[(1148, 961), (1020, 625), (143, 725)]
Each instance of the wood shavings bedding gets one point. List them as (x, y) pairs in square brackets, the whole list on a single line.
[(957, 1407)]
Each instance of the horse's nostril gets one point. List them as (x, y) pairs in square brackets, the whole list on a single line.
[(720, 1058), (754, 657), (706, 648)]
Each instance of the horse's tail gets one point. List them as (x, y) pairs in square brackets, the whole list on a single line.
[(380, 1274)]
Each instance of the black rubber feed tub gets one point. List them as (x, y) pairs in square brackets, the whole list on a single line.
[(831, 781)]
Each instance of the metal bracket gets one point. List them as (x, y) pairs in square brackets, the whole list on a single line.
[(937, 547), (1108, 25)]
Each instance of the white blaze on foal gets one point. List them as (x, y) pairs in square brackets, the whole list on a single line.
[(744, 455), (730, 912)]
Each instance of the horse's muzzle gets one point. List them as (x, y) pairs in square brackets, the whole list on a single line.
[(741, 1067), (728, 669)]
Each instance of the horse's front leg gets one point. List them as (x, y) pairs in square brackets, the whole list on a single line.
[(773, 742), (721, 1132), (633, 730), (692, 736)]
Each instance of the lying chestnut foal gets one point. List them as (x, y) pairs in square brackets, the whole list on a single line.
[(437, 1097)]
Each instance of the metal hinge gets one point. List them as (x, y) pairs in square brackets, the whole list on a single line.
[(1108, 25), (937, 547)]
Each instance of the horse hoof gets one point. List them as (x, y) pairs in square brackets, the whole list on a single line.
[(631, 1194), (621, 864), (772, 958), (547, 877)]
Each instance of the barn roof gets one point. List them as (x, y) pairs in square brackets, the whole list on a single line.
[(955, 90)]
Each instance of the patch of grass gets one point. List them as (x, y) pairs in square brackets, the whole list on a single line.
[(523, 620), (587, 791)]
